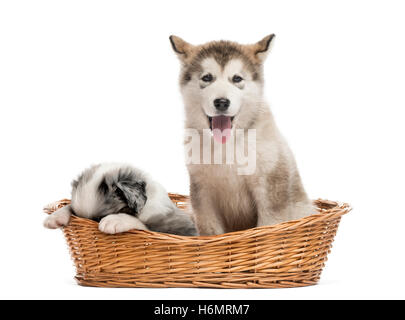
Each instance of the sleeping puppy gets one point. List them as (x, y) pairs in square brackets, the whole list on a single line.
[(122, 198)]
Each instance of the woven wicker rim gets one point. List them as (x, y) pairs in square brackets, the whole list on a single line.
[(289, 254), (326, 210)]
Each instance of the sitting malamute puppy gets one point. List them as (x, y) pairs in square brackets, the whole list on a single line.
[(222, 87), (122, 198)]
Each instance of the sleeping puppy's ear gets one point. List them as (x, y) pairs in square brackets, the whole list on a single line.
[(133, 193), (261, 49), (182, 48)]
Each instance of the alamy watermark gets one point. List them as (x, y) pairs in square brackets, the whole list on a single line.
[(231, 148)]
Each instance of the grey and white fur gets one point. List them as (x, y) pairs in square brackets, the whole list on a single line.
[(122, 197), (225, 79)]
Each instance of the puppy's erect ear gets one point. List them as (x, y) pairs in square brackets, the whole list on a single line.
[(262, 48), (182, 48)]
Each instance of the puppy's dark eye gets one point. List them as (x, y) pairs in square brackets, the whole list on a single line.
[(207, 78), (237, 79)]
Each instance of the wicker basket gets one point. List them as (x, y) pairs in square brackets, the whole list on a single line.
[(290, 254)]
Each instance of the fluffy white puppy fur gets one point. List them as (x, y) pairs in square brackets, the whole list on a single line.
[(122, 198)]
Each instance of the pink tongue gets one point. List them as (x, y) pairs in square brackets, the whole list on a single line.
[(221, 128)]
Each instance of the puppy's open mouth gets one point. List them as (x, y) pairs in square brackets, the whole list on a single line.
[(221, 127)]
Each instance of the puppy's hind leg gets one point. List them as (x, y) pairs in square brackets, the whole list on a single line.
[(175, 221), (120, 222), (60, 218)]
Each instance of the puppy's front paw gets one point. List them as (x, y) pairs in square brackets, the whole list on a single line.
[(121, 222), (57, 220)]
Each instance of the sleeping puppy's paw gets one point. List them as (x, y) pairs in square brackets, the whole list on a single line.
[(60, 218), (121, 222)]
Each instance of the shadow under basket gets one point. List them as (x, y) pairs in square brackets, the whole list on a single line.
[(289, 254)]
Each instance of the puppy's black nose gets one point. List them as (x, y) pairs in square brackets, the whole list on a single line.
[(222, 104)]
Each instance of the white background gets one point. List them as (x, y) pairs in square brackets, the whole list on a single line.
[(83, 82)]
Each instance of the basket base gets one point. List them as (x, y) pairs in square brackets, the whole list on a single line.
[(206, 280)]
